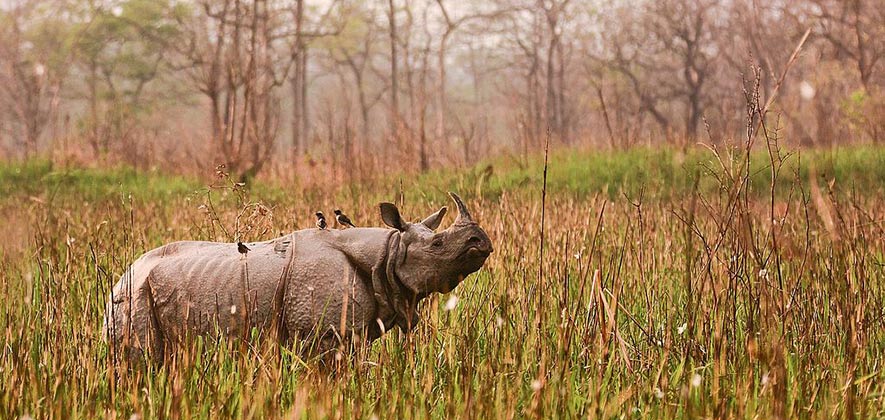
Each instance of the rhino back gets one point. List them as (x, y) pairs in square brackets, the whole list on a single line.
[(198, 286)]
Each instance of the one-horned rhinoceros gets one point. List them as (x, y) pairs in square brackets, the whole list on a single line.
[(310, 283)]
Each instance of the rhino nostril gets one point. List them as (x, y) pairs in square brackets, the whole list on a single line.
[(474, 239)]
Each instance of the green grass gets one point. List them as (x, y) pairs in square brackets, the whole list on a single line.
[(44, 178), (657, 170), (687, 306), (654, 171), (581, 173)]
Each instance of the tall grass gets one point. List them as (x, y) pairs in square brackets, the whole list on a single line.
[(674, 286)]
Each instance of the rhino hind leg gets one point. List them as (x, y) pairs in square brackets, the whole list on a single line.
[(131, 326)]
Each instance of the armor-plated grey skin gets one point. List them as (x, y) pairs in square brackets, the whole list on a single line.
[(307, 284)]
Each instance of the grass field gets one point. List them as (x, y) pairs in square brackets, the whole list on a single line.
[(670, 285)]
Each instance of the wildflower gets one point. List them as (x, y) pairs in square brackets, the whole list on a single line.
[(681, 329), (763, 273), (452, 303), (233, 309), (536, 385), (696, 380), (765, 379), (658, 393), (806, 90)]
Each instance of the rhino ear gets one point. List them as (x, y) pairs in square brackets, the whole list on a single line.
[(432, 222), (390, 216)]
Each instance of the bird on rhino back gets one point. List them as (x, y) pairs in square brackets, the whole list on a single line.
[(319, 284)]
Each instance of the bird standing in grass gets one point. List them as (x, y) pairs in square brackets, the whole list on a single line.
[(242, 248), (342, 219), (321, 220)]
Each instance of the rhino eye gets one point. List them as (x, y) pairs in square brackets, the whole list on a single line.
[(436, 243)]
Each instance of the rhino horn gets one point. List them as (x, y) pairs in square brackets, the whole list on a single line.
[(463, 214)]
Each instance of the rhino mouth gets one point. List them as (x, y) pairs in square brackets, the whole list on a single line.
[(477, 248), (477, 252)]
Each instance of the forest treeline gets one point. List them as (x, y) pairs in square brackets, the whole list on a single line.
[(351, 87)]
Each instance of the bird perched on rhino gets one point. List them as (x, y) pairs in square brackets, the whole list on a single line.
[(321, 220), (242, 249), (342, 219)]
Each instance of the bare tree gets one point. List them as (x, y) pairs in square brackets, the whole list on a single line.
[(32, 71), (123, 51), (683, 31), (856, 29), (299, 83), (553, 13), (305, 32), (526, 39), (355, 51), (235, 56), (623, 52), (666, 53), (394, 83), (451, 25), (415, 42)]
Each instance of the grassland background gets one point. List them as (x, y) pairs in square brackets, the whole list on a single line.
[(666, 290)]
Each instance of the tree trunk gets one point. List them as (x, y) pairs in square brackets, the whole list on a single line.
[(394, 88), (296, 80), (422, 123), (550, 109), (442, 103), (215, 108), (694, 116), (560, 93), (364, 107), (93, 106), (422, 151), (305, 108)]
